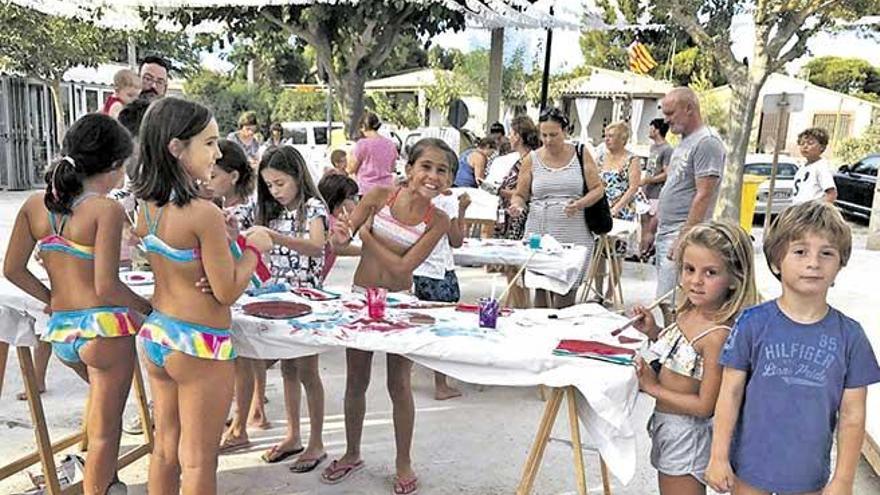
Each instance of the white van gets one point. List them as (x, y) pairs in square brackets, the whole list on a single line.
[(312, 140)]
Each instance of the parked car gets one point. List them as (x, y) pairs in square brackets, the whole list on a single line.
[(855, 186), (761, 165), (312, 140)]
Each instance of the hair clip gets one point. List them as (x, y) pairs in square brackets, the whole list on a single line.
[(68, 159)]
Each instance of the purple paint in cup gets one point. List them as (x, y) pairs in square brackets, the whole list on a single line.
[(488, 312)]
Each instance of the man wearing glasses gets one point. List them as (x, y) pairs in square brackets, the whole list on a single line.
[(154, 77)]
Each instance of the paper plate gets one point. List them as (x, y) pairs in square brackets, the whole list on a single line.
[(276, 310), (137, 278)]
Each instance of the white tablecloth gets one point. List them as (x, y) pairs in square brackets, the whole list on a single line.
[(20, 316), (518, 353), (556, 271)]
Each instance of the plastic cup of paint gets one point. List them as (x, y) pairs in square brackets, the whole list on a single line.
[(535, 241), (488, 312), (377, 301)]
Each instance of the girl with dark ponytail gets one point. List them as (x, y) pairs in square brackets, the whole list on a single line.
[(77, 230)]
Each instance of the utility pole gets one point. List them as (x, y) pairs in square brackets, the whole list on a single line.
[(545, 78)]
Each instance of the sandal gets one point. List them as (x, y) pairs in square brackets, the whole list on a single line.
[(307, 465), (229, 445), (405, 487), (275, 454), (337, 472)]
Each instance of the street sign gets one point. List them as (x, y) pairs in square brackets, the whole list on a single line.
[(458, 114), (783, 104), (778, 102)]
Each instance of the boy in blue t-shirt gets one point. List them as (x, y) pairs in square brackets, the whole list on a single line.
[(794, 368)]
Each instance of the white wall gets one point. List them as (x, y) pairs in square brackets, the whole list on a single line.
[(816, 101)]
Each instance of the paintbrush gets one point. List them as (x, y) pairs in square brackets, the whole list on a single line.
[(634, 319), (516, 277)]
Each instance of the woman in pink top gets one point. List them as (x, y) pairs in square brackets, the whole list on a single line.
[(373, 158)]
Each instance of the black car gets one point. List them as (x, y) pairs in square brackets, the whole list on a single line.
[(855, 186)]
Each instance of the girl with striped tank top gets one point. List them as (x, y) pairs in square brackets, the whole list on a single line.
[(399, 229)]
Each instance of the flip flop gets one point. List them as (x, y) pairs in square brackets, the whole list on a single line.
[(405, 487), (337, 472), (227, 446), (279, 456), (307, 465)]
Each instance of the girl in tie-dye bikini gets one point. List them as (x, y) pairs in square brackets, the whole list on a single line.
[(186, 337), (77, 231)]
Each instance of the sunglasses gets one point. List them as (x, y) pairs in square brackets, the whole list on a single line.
[(554, 114)]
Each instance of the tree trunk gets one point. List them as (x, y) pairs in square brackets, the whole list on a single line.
[(744, 100), (351, 94), (57, 111)]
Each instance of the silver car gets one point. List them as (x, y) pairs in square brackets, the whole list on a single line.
[(787, 168)]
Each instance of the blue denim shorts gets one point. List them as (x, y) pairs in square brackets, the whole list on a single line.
[(437, 290)]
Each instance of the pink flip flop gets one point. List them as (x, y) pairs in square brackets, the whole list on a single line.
[(337, 472), (405, 487)]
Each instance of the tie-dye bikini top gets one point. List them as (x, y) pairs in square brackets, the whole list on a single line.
[(58, 243), (395, 231), (677, 352), (151, 243)]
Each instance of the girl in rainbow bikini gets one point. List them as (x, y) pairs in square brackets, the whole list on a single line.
[(399, 228), (77, 230), (186, 337)]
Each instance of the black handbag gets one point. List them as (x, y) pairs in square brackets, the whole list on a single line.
[(598, 215)]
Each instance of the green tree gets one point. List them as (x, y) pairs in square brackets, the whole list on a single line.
[(846, 75), (850, 150), (350, 40), (782, 29), (408, 54), (608, 48), (691, 66), (278, 58), (403, 112), (229, 97), (181, 48), (296, 105), (46, 47)]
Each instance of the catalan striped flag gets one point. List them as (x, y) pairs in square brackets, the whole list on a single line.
[(640, 59)]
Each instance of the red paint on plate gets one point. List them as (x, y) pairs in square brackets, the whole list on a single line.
[(276, 310)]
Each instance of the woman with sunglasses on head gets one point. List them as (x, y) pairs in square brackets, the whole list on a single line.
[(550, 186)]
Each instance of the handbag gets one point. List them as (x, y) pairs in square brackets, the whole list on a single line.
[(598, 215)]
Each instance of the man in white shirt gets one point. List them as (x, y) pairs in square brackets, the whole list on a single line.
[(814, 180)]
